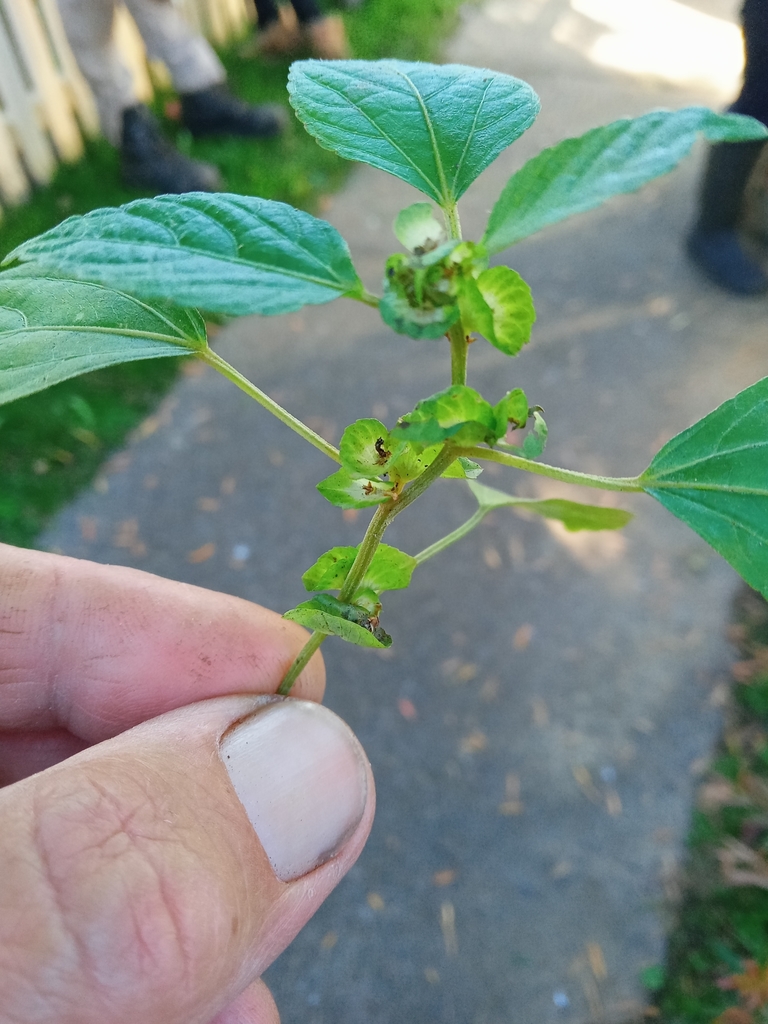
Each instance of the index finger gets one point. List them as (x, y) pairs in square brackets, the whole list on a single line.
[(97, 649)]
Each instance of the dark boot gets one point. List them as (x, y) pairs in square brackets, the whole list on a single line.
[(150, 161), (715, 244), (216, 111)]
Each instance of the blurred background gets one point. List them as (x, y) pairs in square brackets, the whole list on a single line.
[(553, 702)]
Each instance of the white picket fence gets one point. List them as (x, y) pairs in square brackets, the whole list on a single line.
[(45, 105)]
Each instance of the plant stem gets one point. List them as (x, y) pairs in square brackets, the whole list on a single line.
[(380, 520), (569, 476), (451, 538), (384, 515), (223, 367), (365, 296), (366, 551), (459, 348), (300, 662), (454, 224)]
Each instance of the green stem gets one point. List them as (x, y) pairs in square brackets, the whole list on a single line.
[(451, 538), (381, 519), (454, 224), (223, 367), (366, 551), (459, 348), (384, 515), (299, 663), (569, 476), (365, 296)]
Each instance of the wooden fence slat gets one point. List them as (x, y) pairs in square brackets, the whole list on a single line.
[(14, 185), (21, 110), (51, 98), (43, 95), (74, 83), (128, 40)]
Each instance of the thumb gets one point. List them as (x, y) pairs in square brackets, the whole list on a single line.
[(154, 876)]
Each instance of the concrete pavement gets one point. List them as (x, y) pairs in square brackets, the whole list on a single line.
[(537, 729)]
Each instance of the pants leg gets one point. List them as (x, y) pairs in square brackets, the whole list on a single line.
[(190, 58), (88, 24), (266, 12), (730, 164), (306, 11)]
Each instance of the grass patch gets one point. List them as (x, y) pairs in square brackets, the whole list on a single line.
[(52, 444), (717, 965)]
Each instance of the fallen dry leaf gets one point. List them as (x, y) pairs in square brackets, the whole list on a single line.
[(741, 865), (448, 928), (407, 709), (329, 940), (474, 742), (596, 961), (540, 712), (752, 985), (375, 902), (492, 558), (89, 528), (522, 636), (208, 504), (443, 878), (202, 554)]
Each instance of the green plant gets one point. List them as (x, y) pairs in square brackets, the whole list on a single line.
[(123, 284)]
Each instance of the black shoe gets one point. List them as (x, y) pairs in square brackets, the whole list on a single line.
[(216, 111), (150, 161), (723, 258)]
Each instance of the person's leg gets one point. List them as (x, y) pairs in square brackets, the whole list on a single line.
[(715, 243), (306, 10), (147, 159), (189, 57), (267, 13), (88, 25), (282, 30), (208, 108)]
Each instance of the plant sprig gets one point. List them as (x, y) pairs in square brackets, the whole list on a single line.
[(130, 283)]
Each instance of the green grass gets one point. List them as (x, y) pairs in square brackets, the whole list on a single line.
[(52, 444), (720, 926)]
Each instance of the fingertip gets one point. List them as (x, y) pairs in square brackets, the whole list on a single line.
[(254, 1006)]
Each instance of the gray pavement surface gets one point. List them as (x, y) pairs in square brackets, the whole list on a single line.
[(537, 729)]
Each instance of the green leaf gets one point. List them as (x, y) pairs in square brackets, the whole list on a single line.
[(365, 448), (346, 491), (536, 441), (417, 228), (330, 570), (52, 329), (390, 569), (573, 515), (578, 174), (458, 413), (511, 305), (462, 469), (714, 476), (513, 408), (223, 253), (351, 622), (397, 313), (436, 127), (476, 314)]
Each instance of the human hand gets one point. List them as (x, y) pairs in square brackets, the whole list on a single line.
[(180, 829)]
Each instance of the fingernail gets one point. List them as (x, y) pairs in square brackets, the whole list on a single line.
[(301, 776)]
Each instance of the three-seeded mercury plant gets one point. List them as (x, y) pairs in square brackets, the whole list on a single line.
[(129, 283)]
